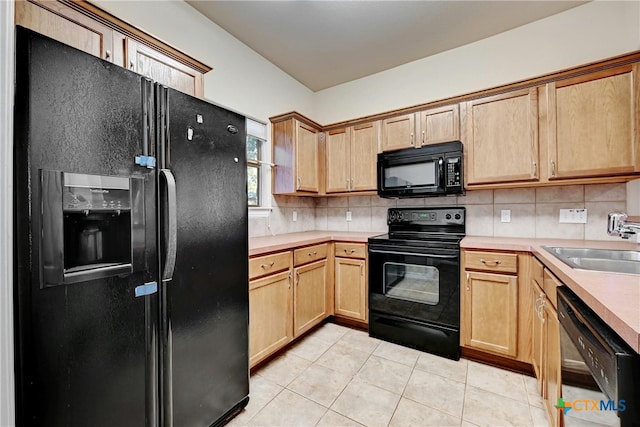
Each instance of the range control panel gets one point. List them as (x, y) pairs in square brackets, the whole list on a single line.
[(426, 216)]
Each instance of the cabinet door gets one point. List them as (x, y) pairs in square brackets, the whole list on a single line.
[(490, 317), (54, 20), (538, 333), (350, 285), (502, 138), (593, 124), (337, 160), (440, 125), (552, 380), (398, 132), (306, 149), (364, 157), (167, 71), (310, 296), (270, 315)]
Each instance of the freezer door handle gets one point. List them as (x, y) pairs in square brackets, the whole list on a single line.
[(172, 232)]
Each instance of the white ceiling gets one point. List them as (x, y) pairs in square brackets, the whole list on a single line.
[(323, 43)]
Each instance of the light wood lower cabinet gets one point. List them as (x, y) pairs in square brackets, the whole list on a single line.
[(351, 288), (551, 366), (495, 303), (270, 315), (546, 340), (310, 296), (490, 312)]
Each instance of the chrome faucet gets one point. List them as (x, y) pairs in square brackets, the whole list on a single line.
[(620, 224)]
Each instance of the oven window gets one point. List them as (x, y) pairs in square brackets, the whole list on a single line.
[(420, 283), (410, 175)]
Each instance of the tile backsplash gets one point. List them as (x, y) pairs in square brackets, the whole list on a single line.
[(534, 212)]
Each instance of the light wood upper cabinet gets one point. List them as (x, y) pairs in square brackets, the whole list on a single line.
[(164, 70), (296, 154), (351, 156), (92, 30), (398, 132), (439, 125), (594, 124), (501, 137), (338, 160), (54, 20), (426, 127)]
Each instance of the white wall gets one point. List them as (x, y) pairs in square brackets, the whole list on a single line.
[(584, 34), (241, 80), (7, 395)]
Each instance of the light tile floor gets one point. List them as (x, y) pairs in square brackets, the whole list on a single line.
[(338, 376)]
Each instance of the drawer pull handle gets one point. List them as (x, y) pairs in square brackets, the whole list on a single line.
[(267, 266), (349, 251), (313, 253), (495, 261)]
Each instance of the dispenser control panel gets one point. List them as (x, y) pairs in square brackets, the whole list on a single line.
[(92, 192)]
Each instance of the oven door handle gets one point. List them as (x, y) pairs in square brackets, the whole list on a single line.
[(414, 254)]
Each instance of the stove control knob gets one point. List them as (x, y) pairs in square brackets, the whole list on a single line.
[(458, 216), (448, 216)]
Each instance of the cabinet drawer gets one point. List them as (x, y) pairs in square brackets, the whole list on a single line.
[(550, 285), (269, 264), (351, 250), (537, 270), (491, 261), (309, 254)]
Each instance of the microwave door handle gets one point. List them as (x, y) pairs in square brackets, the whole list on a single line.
[(441, 184)]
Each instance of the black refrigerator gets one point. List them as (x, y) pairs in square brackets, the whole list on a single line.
[(131, 252)]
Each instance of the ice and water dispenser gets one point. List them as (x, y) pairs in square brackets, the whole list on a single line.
[(92, 226)]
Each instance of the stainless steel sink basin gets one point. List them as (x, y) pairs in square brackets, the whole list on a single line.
[(612, 261)]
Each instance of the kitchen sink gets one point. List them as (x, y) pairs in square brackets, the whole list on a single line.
[(612, 261)]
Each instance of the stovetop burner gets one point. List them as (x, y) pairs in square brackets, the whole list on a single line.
[(427, 227)]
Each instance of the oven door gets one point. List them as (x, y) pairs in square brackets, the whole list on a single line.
[(417, 284)]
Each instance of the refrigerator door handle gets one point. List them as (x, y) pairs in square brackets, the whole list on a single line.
[(172, 232)]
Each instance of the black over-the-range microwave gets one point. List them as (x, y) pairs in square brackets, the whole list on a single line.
[(432, 170)]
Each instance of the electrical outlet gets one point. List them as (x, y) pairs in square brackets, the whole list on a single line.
[(294, 217), (348, 215), (505, 215), (573, 216)]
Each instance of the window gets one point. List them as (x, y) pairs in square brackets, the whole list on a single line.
[(256, 140)]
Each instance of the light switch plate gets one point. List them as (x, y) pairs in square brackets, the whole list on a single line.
[(294, 217), (348, 215), (573, 216), (505, 215)]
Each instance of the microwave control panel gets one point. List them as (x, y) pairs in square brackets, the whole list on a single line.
[(453, 171)]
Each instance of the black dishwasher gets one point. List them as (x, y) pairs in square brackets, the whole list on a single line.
[(600, 372)]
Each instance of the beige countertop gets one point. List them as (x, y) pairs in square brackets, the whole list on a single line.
[(613, 297), (266, 244)]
